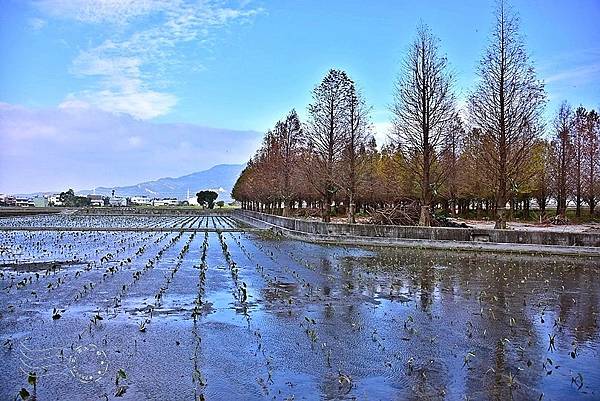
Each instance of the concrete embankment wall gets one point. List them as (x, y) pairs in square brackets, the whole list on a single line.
[(381, 233)]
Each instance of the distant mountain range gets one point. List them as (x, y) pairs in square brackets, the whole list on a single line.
[(221, 178)]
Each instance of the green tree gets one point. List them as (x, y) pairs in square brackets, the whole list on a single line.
[(69, 199), (207, 198)]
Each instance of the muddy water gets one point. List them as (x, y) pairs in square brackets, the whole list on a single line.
[(228, 316)]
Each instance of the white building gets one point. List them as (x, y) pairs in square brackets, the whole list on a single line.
[(54, 200), (140, 201), (192, 201), (24, 202), (165, 202), (117, 201), (7, 200), (96, 200)]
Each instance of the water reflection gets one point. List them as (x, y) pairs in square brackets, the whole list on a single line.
[(487, 312)]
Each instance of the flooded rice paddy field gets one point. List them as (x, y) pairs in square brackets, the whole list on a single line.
[(106, 221), (245, 316)]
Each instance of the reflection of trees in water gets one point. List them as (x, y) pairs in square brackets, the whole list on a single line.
[(390, 279), (516, 291), (496, 392), (430, 382), (507, 329), (325, 264), (341, 340), (504, 315), (578, 305), (415, 272), (427, 281), (511, 290), (588, 325), (354, 281)]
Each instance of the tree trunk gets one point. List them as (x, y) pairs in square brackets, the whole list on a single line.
[(562, 204), (502, 195), (286, 208), (501, 205), (351, 205), (425, 218), (327, 209)]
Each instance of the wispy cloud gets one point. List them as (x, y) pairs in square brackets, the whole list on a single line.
[(80, 146), (382, 131), (131, 61), (578, 75), (102, 11), (571, 67), (37, 23), (572, 75)]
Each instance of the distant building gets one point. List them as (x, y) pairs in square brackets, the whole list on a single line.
[(7, 200), (23, 202), (54, 200), (165, 202), (40, 201), (192, 201), (140, 201), (96, 200), (117, 201)]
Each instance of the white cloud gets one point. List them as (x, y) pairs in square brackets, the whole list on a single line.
[(577, 75), (129, 65), (142, 104), (72, 103), (572, 67), (16, 126), (37, 23), (138, 103), (102, 11), (382, 131), (100, 61), (81, 147), (134, 141)]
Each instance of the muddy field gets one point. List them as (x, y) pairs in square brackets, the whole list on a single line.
[(88, 315)]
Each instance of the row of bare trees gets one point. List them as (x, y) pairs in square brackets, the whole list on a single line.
[(318, 162), (496, 161), (573, 157)]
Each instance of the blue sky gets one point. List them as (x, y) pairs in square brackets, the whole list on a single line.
[(139, 68)]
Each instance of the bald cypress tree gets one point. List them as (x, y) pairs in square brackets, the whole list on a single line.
[(356, 139), (326, 135), (289, 139), (424, 109), (506, 106), (562, 157), (591, 160)]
